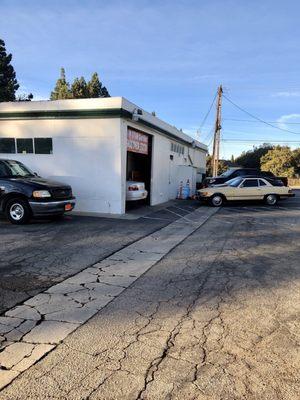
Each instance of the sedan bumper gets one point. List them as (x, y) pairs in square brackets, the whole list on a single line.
[(40, 208), (136, 195)]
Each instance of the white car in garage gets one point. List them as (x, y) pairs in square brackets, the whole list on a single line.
[(135, 191)]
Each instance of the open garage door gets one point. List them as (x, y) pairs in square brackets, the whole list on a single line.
[(138, 173)]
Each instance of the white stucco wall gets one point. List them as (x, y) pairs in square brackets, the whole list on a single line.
[(86, 155), (90, 153)]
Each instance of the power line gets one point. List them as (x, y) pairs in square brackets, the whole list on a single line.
[(259, 119), (209, 135), (259, 141), (269, 122), (209, 110)]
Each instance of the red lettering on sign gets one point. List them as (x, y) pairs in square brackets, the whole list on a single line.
[(137, 142)]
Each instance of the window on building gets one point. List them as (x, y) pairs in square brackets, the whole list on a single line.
[(177, 148), (25, 146), (7, 145), (43, 146)]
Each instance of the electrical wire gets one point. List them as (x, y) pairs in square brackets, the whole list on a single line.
[(269, 122), (208, 136), (259, 119), (259, 141), (209, 110)]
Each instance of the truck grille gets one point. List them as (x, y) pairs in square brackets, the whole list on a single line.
[(61, 194)]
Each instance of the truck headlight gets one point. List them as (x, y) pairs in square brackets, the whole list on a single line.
[(41, 194)]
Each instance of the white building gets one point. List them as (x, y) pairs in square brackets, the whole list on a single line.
[(95, 145)]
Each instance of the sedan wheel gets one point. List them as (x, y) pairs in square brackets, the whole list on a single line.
[(217, 200), (271, 199)]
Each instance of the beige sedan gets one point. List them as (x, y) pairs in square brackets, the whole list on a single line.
[(246, 189)]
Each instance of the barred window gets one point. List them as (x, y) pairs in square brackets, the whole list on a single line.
[(177, 148)]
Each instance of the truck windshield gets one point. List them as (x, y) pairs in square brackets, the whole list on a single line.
[(227, 173), (10, 168)]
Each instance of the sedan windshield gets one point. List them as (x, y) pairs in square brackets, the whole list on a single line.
[(234, 182), (15, 169)]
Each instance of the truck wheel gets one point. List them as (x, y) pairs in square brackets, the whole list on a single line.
[(271, 199), (17, 211), (216, 200)]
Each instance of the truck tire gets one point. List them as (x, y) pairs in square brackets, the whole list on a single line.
[(17, 211)]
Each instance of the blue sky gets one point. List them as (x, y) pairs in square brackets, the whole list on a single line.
[(169, 56)]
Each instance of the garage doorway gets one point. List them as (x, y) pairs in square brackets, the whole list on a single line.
[(139, 160)]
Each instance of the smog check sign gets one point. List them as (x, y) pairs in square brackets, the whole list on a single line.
[(137, 142)]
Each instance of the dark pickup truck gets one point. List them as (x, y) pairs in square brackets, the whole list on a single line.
[(235, 172), (24, 194)]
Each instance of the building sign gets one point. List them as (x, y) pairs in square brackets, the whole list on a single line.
[(137, 142)]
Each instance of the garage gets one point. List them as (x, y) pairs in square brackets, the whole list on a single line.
[(138, 168), (97, 146)]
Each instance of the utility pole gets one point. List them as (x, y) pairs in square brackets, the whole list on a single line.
[(216, 146)]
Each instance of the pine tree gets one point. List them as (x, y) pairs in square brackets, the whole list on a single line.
[(8, 82), (79, 89), (104, 92), (95, 87), (62, 88)]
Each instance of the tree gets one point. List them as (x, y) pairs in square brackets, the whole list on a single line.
[(79, 89), (95, 87), (8, 81), (104, 92), (62, 88), (25, 97), (251, 158), (281, 161), (222, 166)]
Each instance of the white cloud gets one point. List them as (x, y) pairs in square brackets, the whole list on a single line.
[(287, 94), (288, 118)]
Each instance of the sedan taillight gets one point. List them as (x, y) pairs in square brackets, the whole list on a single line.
[(132, 188)]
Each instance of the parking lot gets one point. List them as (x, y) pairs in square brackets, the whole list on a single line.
[(33, 257), (216, 318)]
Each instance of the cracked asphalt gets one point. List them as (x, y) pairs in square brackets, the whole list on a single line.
[(217, 318), (36, 256)]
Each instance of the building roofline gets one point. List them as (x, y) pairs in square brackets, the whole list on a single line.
[(113, 107)]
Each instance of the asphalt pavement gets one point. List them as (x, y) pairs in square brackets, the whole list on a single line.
[(34, 257), (217, 319)]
